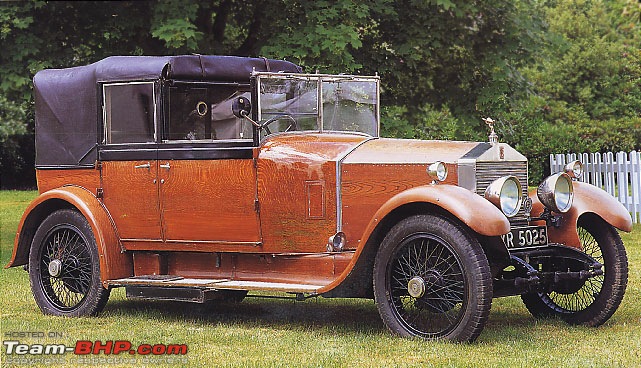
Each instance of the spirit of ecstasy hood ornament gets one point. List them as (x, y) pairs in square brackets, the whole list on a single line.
[(494, 138)]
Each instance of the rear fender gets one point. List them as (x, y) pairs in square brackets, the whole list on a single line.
[(587, 199), (114, 263)]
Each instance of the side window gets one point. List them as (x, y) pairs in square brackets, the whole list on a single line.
[(129, 112), (203, 112)]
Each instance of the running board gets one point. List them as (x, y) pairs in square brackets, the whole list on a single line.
[(170, 281)]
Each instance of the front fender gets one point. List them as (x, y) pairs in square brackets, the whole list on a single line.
[(587, 199), (473, 210), (113, 262)]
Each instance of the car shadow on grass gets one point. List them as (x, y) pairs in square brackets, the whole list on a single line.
[(350, 315), (356, 316)]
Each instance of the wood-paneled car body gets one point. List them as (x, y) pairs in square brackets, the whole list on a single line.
[(201, 178)]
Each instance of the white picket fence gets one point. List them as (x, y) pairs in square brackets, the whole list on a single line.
[(618, 174)]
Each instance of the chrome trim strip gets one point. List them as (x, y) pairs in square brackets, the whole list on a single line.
[(467, 173), (339, 179)]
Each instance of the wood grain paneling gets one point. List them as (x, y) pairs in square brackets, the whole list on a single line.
[(317, 269), (54, 178), (148, 263), (366, 187), (287, 165), (315, 199), (209, 200), (131, 197)]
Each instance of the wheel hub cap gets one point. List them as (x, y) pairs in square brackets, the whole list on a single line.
[(416, 287), (55, 268)]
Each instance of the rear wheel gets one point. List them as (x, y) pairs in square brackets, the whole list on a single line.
[(64, 268), (432, 280), (596, 300)]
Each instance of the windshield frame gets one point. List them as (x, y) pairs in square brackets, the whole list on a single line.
[(258, 77)]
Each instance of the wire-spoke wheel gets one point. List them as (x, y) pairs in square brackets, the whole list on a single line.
[(63, 266), (432, 280), (595, 300)]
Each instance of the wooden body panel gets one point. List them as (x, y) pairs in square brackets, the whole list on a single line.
[(199, 218), (382, 168), (55, 178), (149, 263), (318, 269), (131, 197), (297, 190), (209, 200), (367, 187)]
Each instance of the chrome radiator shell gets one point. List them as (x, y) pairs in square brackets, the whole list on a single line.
[(486, 163)]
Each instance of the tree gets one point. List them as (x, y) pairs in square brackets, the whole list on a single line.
[(586, 84), (443, 63)]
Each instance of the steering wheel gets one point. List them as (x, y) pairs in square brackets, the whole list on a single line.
[(292, 123)]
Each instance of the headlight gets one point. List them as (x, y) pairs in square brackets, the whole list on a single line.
[(506, 194), (574, 169), (437, 171), (556, 192)]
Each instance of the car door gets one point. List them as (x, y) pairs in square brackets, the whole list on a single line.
[(128, 161), (206, 171)]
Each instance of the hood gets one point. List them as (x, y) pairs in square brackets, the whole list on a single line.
[(361, 149), (305, 146), (410, 151)]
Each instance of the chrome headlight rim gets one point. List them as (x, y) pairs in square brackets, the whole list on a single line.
[(437, 171), (574, 169), (556, 192), (506, 193)]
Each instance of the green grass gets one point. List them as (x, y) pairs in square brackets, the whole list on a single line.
[(318, 332)]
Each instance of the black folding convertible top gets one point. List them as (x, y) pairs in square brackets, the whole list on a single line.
[(67, 117)]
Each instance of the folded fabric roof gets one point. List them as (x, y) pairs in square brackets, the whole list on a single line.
[(67, 120)]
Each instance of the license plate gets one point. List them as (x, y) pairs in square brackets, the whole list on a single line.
[(524, 237)]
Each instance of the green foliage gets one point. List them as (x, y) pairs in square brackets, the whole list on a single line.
[(589, 64), (556, 69), (12, 119), (12, 126), (430, 123), (586, 85), (321, 34), (173, 23)]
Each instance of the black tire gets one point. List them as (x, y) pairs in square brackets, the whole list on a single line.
[(448, 275), (64, 267), (599, 297)]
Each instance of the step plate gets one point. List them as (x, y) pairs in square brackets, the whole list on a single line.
[(177, 281)]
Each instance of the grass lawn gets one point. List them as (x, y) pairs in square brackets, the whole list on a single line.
[(316, 332)]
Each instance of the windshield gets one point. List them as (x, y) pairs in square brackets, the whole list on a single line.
[(317, 102)]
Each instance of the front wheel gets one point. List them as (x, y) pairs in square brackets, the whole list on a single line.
[(432, 280), (598, 298), (64, 268)]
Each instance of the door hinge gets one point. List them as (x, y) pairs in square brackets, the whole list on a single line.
[(256, 205), (99, 193)]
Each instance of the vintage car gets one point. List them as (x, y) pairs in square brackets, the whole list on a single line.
[(200, 178)]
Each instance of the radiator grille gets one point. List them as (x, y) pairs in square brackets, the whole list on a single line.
[(488, 171)]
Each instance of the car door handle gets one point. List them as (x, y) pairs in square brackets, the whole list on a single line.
[(143, 166), (165, 166)]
